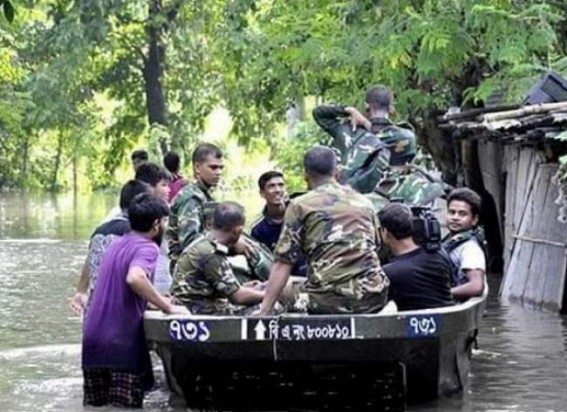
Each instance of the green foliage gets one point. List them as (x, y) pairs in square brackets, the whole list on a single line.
[(288, 153), (81, 81)]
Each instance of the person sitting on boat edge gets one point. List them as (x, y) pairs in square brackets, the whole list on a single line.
[(203, 279), (419, 279), (100, 239), (115, 359), (337, 230), (267, 228), (465, 243)]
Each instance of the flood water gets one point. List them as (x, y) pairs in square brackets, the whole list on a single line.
[(521, 364)]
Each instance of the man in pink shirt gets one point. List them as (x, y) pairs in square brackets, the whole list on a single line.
[(172, 162)]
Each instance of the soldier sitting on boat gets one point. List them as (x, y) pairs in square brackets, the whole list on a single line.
[(204, 279), (337, 230), (186, 221)]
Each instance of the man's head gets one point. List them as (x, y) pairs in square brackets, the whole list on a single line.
[(208, 164), (229, 219), (148, 215), (156, 177), (138, 158), (320, 164), (272, 187), (463, 209), (379, 101), (130, 189), (172, 162), (396, 223)]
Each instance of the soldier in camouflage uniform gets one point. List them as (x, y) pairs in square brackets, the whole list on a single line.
[(186, 219), (362, 142), (337, 230), (204, 280)]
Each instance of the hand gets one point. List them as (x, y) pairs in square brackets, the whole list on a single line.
[(78, 303), (178, 310), (242, 247), (357, 119), (254, 284)]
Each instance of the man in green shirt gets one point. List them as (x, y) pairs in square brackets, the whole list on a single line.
[(187, 217)]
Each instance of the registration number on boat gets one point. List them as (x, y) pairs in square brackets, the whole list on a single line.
[(288, 329)]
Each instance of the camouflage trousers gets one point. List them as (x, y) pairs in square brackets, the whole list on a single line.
[(328, 303)]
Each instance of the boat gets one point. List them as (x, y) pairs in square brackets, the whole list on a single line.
[(321, 362)]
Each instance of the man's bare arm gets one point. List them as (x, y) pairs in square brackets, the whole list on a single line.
[(278, 279), (79, 300), (474, 286), (247, 296), (141, 285)]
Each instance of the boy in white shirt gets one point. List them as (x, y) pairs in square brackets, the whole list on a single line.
[(465, 243)]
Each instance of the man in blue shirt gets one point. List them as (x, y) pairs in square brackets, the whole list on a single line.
[(267, 228)]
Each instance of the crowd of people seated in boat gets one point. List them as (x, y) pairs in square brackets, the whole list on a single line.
[(172, 245)]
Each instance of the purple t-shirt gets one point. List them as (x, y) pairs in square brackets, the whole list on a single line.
[(113, 335)]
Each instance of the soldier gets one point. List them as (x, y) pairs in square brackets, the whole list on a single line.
[(380, 106), (186, 220), (337, 230), (204, 280)]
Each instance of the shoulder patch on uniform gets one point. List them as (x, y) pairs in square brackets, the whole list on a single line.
[(219, 247)]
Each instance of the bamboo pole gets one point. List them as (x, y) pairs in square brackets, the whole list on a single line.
[(513, 114)]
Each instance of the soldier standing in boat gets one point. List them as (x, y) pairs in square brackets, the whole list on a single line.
[(337, 230), (187, 218), (349, 135)]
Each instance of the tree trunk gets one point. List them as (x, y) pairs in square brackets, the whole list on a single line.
[(53, 185), (75, 176), (25, 158), (154, 70)]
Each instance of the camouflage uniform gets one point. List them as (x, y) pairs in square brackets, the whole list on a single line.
[(187, 217), (363, 155), (337, 230), (257, 266), (204, 280)]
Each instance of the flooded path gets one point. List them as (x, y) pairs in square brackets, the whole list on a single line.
[(521, 364)]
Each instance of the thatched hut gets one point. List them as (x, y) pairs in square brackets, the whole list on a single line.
[(518, 155)]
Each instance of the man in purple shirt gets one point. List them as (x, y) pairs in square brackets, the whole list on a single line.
[(115, 358)]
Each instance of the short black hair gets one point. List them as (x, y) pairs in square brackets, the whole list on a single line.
[(140, 154), (172, 162), (320, 161), (151, 174), (228, 215), (464, 194), (144, 210), (265, 177), (205, 150), (397, 219), (379, 98), (130, 189)]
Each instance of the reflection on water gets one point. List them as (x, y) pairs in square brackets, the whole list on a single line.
[(66, 216), (520, 365)]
